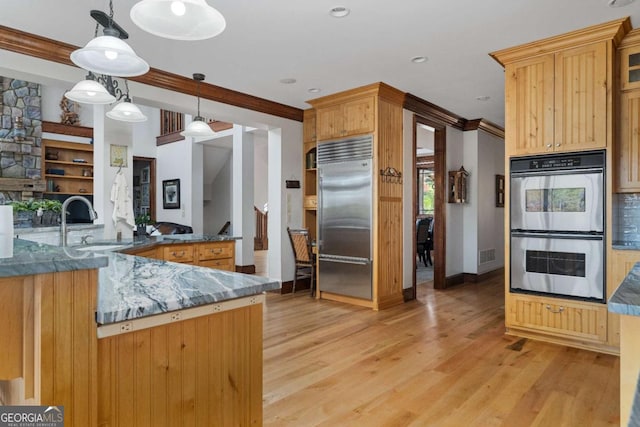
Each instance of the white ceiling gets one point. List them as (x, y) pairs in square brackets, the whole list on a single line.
[(266, 41)]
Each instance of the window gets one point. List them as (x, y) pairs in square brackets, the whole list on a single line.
[(426, 192)]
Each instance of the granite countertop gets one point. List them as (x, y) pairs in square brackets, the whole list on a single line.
[(36, 258), (626, 299), (131, 287)]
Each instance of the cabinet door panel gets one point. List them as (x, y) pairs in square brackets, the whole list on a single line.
[(559, 317), (628, 157), (529, 105), (359, 117), (329, 122), (178, 253), (581, 98)]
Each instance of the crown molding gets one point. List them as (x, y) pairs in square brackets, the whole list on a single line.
[(52, 50)]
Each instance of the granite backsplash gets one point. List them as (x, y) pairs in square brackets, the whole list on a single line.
[(626, 218)]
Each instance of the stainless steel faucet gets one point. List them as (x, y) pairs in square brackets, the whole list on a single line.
[(63, 226)]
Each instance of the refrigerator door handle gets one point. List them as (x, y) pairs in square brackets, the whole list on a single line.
[(344, 259)]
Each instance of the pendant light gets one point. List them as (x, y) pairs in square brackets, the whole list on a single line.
[(126, 111), (198, 127), (90, 92), (109, 54), (178, 19)]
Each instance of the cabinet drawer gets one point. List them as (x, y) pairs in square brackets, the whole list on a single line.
[(559, 317), (178, 253), (207, 251), (219, 264), (311, 202)]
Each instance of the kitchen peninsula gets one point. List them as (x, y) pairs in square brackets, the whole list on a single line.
[(120, 338)]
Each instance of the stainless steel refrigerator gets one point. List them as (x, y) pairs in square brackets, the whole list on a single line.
[(345, 215)]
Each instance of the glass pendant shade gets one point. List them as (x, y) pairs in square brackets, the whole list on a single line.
[(198, 128), (126, 111), (89, 92), (109, 55), (178, 19)]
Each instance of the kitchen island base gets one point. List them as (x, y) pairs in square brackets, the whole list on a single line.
[(200, 366)]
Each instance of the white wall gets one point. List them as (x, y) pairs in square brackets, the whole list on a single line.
[(51, 97), (174, 161), (145, 133), (217, 211), (483, 221), (454, 212), (261, 170), (490, 218)]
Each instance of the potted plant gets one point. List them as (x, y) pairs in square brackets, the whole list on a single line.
[(47, 212), (22, 213), (34, 213), (141, 223)]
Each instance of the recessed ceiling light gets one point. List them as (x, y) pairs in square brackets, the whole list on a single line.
[(419, 59), (483, 98), (339, 11), (314, 90), (288, 81), (619, 3)]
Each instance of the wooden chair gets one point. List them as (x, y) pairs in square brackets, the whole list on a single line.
[(304, 258), (424, 244)]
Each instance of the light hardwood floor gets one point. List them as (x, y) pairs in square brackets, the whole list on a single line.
[(442, 360)]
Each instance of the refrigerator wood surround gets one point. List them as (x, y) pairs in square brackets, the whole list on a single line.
[(374, 109)]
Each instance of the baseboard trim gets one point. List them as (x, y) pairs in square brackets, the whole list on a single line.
[(301, 285), (246, 269), (475, 278), (456, 279)]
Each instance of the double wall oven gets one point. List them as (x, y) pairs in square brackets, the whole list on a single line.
[(557, 225)]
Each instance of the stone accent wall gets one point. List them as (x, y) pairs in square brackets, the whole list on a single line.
[(20, 158)]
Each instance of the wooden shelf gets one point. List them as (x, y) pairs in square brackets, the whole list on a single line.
[(73, 181), (54, 176), (61, 162), (68, 193)]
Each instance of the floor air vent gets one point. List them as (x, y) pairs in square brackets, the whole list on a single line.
[(487, 255)]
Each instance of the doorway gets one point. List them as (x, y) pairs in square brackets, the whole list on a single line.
[(430, 171), (144, 187)]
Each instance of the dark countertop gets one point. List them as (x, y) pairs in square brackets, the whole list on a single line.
[(36, 258), (626, 299), (131, 287)]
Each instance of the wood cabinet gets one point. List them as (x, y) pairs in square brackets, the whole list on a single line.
[(200, 367), (67, 167), (310, 179), (349, 118), (628, 148), (178, 253), (576, 320), (219, 255), (559, 96), (559, 101), (377, 110), (627, 162)]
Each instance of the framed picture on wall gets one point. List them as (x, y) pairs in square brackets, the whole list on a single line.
[(118, 154), (171, 194), (144, 175)]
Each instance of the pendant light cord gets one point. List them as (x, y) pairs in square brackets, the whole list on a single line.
[(198, 92), (111, 13)]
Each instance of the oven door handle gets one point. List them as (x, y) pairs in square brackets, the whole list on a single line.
[(550, 172), (545, 235)]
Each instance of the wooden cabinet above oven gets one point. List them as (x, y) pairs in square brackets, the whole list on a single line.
[(558, 91)]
